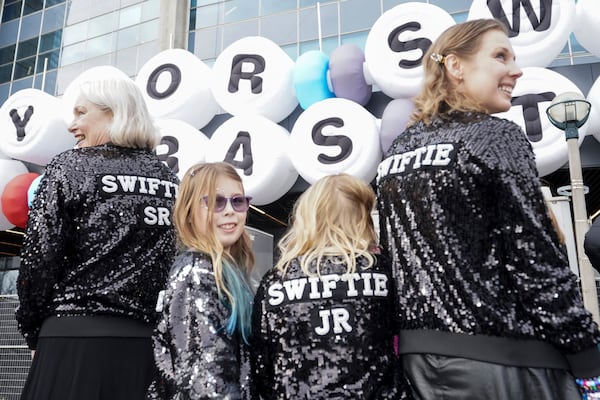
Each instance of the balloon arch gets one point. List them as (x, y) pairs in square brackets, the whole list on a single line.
[(259, 85)]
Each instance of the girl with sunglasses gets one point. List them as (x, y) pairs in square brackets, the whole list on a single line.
[(200, 342)]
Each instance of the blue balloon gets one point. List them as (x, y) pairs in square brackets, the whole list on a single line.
[(33, 189), (310, 78)]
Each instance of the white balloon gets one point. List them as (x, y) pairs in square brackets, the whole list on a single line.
[(587, 26), (540, 86), (71, 93), (333, 136), (9, 169), (395, 66), (176, 85), (254, 76), (536, 43), (593, 123), (256, 147), (31, 127), (181, 145)]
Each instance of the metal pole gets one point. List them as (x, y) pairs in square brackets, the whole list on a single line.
[(586, 273)]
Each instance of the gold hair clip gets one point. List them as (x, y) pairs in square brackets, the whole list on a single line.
[(438, 58)]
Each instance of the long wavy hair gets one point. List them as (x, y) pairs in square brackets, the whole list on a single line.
[(440, 95), (332, 217), (232, 268)]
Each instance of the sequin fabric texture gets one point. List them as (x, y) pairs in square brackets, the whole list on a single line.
[(195, 356), (473, 247), (327, 338), (99, 239)]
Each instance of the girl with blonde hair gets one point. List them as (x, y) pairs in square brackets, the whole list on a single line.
[(322, 317), (200, 344)]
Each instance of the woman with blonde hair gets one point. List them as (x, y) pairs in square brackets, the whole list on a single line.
[(322, 317), (201, 339)]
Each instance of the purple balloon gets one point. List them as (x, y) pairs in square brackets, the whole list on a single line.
[(347, 75), (394, 119)]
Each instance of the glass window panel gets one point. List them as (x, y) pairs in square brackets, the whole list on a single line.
[(149, 31), (387, 4), (21, 84), (53, 19), (233, 32), (309, 23), (150, 10), (11, 11), (309, 3), (191, 42), (4, 91), (130, 16), (126, 61), (53, 2), (274, 6), (99, 46), (460, 17), (358, 38), (78, 11), (146, 51), (32, 6), (102, 25), (72, 54), (356, 15), (192, 21), (52, 57), (5, 73), (128, 37), (7, 54), (308, 46), (49, 82), (75, 33), (30, 26), (291, 50), (239, 10), (24, 68), (27, 48), (50, 41), (206, 2), (280, 28), (8, 33), (207, 43), (207, 16), (104, 6), (452, 6)]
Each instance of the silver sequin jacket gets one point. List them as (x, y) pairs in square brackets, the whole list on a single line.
[(328, 338), (196, 358), (474, 251), (99, 240)]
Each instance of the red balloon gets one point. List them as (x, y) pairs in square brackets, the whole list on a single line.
[(14, 199)]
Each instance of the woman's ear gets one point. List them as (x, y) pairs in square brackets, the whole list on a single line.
[(454, 67)]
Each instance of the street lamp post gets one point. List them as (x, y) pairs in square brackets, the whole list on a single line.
[(568, 112)]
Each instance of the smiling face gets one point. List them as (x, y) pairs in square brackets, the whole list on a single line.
[(90, 124), (489, 77), (228, 224)]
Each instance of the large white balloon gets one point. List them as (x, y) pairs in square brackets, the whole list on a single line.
[(31, 127), (396, 44), (256, 147), (176, 85), (533, 94), (538, 33), (254, 76), (333, 136), (9, 169), (587, 25), (593, 123), (181, 145)]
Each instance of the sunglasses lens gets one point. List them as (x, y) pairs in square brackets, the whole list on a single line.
[(239, 203), (220, 203)]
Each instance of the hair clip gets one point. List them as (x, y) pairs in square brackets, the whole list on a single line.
[(438, 58)]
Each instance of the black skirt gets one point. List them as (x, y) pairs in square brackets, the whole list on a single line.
[(435, 377), (90, 368)]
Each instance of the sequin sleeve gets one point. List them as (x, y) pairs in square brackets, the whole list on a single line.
[(43, 254), (535, 259), (259, 355), (195, 357)]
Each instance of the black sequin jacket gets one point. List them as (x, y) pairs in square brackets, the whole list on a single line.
[(325, 339), (476, 261), (196, 357), (99, 238)]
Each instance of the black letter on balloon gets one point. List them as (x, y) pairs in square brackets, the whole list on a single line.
[(343, 142), (236, 72), (243, 140), (531, 114), (153, 78), (539, 25), (399, 46), (173, 147), (19, 123)]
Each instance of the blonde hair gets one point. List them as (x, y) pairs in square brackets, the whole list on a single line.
[(440, 95), (201, 180), (332, 217), (132, 124)]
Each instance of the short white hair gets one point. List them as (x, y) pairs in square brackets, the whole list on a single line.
[(132, 124)]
